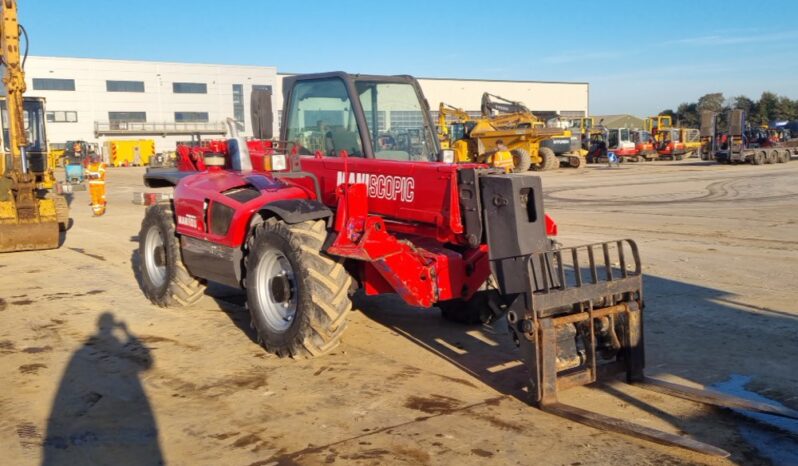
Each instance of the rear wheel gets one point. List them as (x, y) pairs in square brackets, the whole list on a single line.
[(784, 156), (164, 278), (521, 160), (773, 156), (297, 296), (548, 160), (758, 158)]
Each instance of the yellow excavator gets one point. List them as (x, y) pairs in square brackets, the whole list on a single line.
[(29, 212)]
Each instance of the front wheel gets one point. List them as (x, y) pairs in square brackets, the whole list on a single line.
[(297, 296), (164, 278), (521, 160)]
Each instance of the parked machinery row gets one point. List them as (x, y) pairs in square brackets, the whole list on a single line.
[(658, 140), (738, 142)]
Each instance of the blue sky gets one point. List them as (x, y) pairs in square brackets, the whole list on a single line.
[(639, 57)]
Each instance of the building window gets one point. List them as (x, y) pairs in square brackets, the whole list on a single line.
[(53, 84), (262, 87), (238, 104), (403, 119), (189, 88), (380, 119), (62, 117), (124, 86), (191, 117), (127, 117)]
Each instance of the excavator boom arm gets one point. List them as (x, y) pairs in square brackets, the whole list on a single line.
[(14, 81)]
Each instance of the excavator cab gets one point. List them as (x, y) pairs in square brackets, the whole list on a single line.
[(655, 124), (33, 115)]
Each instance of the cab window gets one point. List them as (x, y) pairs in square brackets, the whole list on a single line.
[(613, 139), (33, 123), (320, 118), (396, 122)]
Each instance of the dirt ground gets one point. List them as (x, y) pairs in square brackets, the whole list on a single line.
[(92, 373)]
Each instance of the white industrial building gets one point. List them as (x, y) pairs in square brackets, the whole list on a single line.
[(98, 100)]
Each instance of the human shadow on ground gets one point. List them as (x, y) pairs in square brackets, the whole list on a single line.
[(101, 414)]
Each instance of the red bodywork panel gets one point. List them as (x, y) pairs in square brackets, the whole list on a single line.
[(191, 157), (626, 151), (672, 148), (397, 220), (195, 195), (645, 148)]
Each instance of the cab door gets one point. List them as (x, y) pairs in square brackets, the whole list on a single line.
[(403, 180)]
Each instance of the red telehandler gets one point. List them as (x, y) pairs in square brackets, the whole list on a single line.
[(362, 197)]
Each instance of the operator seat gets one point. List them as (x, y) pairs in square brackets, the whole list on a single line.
[(343, 139)]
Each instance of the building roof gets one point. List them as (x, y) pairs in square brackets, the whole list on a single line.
[(430, 78), (619, 121)]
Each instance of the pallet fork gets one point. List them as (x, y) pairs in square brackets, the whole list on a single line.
[(577, 313)]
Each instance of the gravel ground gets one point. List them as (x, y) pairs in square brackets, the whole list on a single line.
[(92, 373)]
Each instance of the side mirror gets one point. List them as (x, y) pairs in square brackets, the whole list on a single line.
[(447, 156)]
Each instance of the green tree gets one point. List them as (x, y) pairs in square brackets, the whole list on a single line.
[(687, 115), (744, 103), (766, 108), (784, 109), (713, 102), (769, 107)]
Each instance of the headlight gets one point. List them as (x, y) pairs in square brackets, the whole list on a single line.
[(279, 162), (447, 156)]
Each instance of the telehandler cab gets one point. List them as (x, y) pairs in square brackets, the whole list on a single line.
[(362, 197)]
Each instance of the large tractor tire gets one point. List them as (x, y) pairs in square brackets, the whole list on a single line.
[(297, 296), (521, 160), (164, 278), (549, 160)]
